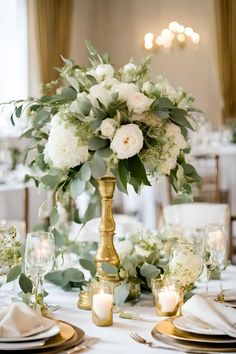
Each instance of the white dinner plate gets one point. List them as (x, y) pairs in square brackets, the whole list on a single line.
[(194, 325), (22, 345), (36, 337)]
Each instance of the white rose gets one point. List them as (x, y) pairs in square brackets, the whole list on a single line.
[(109, 83), (92, 72), (138, 102), (125, 90), (128, 141), (63, 148), (108, 127), (104, 71), (97, 92)]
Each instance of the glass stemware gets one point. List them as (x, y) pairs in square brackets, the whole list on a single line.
[(186, 262), (39, 259), (215, 246)]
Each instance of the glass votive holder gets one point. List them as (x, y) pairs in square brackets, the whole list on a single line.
[(168, 297), (102, 303)]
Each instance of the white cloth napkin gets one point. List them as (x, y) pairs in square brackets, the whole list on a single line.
[(19, 320), (211, 312)]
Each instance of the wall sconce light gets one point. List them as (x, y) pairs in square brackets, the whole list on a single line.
[(175, 34)]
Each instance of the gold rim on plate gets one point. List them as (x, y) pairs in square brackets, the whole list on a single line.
[(167, 333), (68, 336)]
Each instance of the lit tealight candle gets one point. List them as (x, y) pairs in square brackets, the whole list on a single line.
[(168, 301), (102, 303)]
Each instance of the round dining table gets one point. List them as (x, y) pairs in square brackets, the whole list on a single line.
[(116, 338)]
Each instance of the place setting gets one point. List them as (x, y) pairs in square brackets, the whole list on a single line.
[(205, 326)]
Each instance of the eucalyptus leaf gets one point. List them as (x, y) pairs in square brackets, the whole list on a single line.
[(59, 238), (123, 174), (27, 134), (96, 143), (121, 293), (137, 169), (25, 283), (90, 212), (41, 117), (89, 265), (85, 172), (56, 278), (178, 116), (73, 275), (98, 166), (13, 273), (77, 187), (51, 180), (54, 216), (104, 152), (149, 270), (84, 106), (18, 111), (109, 268)]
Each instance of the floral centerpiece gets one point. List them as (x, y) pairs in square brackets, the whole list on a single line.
[(109, 122)]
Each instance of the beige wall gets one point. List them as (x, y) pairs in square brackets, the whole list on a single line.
[(118, 26)]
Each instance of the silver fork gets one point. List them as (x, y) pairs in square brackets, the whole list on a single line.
[(87, 343)]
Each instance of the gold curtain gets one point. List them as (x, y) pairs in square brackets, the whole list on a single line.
[(226, 39), (51, 23)]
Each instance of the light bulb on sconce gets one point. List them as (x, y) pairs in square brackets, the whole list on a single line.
[(148, 40), (175, 35)]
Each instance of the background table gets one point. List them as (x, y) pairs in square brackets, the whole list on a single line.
[(116, 339)]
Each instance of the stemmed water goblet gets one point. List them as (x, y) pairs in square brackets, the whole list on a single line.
[(39, 259), (216, 247)]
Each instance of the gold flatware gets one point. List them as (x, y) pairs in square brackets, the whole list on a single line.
[(139, 339), (135, 336), (87, 343)]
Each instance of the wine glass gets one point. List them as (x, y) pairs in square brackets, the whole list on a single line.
[(216, 246), (186, 262), (39, 259)]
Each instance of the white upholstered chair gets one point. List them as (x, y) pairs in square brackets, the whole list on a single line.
[(124, 225), (197, 215)]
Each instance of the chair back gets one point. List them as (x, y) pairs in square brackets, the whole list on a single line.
[(197, 215)]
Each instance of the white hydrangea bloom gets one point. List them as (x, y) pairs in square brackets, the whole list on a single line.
[(63, 148)]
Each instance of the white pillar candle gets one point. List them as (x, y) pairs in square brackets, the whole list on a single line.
[(168, 299), (102, 304)]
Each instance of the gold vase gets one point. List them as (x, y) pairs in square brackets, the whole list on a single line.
[(106, 251)]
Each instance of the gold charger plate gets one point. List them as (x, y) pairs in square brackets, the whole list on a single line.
[(167, 333), (68, 337)]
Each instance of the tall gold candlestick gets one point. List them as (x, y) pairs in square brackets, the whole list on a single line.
[(106, 251)]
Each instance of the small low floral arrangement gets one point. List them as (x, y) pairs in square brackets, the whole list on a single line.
[(108, 122)]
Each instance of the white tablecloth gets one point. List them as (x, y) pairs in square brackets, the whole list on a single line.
[(116, 339)]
